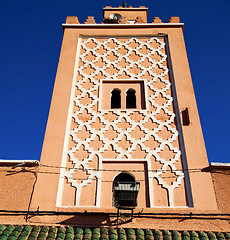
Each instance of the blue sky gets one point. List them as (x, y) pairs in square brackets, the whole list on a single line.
[(30, 43)]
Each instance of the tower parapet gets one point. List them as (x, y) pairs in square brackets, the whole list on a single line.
[(127, 15)]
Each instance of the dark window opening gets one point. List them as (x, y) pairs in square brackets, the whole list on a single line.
[(116, 98), (131, 98), (125, 190), (124, 177), (185, 117)]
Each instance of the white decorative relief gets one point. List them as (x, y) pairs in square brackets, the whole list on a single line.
[(88, 70)]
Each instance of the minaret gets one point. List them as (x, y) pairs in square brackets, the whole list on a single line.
[(123, 103)]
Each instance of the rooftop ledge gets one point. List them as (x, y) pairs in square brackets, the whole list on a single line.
[(219, 165), (18, 163), (137, 25)]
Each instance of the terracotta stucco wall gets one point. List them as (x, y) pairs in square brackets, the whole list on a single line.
[(221, 182), (16, 189), (16, 186)]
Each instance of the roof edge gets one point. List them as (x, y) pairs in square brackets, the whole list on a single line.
[(18, 163), (65, 25), (219, 165)]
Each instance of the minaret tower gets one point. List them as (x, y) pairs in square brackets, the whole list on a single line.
[(123, 103)]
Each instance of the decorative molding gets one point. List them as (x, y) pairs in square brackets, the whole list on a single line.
[(87, 100)]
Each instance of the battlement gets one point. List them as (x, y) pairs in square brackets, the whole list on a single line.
[(123, 20), (122, 15)]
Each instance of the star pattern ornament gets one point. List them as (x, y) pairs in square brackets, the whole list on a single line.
[(119, 58)]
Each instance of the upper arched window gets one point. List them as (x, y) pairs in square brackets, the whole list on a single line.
[(131, 98), (116, 98)]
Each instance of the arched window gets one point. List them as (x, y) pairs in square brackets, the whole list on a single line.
[(131, 98), (116, 98), (125, 190), (124, 177)]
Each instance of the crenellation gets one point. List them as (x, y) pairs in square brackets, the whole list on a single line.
[(129, 15), (124, 19), (174, 20), (156, 20), (90, 20), (72, 20)]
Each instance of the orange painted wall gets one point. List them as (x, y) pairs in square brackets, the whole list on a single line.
[(221, 182), (16, 186)]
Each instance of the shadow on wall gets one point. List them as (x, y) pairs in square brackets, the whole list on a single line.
[(97, 221)]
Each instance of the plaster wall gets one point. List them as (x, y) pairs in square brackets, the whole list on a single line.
[(221, 182), (16, 187), (16, 190)]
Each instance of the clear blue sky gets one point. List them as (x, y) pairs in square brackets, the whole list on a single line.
[(30, 42)]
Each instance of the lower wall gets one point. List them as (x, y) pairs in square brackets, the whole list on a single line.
[(221, 182), (16, 190), (16, 187)]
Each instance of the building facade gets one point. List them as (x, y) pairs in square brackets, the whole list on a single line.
[(109, 64)]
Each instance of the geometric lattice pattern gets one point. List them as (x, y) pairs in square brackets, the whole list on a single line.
[(148, 135)]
